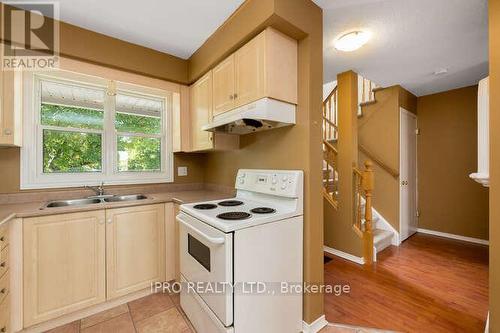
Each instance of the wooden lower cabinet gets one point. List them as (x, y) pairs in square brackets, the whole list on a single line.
[(64, 264), (77, 260), (5, 316), (4, 279), (135, 248)]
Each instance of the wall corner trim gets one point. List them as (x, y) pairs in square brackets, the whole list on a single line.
[(315, 326), (452, 236), (344, 255)]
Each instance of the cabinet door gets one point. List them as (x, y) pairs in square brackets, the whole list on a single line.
[(249, 71), (201, 113), (223, 83), (10, 106), (64, 264), (135, 248)]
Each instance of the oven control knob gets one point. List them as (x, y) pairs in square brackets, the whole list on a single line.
[(242, 175), (274, 181), (242, 180), (283, 186), (285, 178)]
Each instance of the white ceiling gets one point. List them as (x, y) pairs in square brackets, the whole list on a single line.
[(411, 39), (178, 27)]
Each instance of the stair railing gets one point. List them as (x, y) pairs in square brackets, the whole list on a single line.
[(330, 153), (393, 172), (363, 182)]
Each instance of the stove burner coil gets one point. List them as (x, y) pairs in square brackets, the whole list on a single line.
[(263, 210), (230, 203), (205, 206), (234, 216)]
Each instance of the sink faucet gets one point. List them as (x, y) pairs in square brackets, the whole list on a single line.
[(99, 190)]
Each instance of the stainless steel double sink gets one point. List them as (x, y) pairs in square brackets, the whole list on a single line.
[(94, 200)]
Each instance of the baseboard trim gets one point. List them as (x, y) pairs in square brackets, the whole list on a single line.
[(453, 236), (315, 326), (344, 255)]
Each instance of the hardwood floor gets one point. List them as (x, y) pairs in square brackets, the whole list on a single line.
[(428, 284)]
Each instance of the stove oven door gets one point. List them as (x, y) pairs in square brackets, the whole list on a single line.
[(207, 264)]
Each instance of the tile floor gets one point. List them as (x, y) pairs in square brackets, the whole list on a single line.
[(153, 313)]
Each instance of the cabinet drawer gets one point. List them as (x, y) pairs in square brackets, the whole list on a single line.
[(4, 288), (5, 315), (4, 235), (4, 261)]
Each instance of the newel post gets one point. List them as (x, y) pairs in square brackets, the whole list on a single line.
[(367, 184)]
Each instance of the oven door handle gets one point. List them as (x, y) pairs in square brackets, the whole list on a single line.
[(212, 240)]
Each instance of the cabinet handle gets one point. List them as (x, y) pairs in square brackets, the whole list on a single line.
[(2, 264), (7, 131), (3, 329), (231, 97), (2, 238), (235, 96), (110, 221), (3, 291)]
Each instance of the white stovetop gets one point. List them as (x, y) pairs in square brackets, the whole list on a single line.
[(209, 216)]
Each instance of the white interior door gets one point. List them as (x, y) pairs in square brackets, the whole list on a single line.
[(408, 174)]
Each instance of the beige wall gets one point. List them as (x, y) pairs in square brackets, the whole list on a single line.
[(449, 201), (494, 37), (295, 147)]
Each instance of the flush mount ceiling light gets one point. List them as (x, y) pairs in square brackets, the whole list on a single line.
[(441, 71), (352, 41)]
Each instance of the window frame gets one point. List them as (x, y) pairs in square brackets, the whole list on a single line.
[(32, 149)]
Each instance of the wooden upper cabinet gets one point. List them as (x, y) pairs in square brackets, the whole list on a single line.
[(223, 86), (249, 73), (135, 248), (10, 108), (64, 264), (201, 113), (264, 67), (201, 106)]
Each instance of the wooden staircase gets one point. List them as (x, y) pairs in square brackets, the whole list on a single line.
[(365, 219), (330, 153), (382, 237), (362, 179)]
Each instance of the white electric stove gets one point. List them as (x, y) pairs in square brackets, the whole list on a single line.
[(236, 254)]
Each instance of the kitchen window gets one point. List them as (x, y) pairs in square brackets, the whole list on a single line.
[(81, 130)]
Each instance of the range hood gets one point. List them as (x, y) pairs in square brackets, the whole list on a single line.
[(263, 114)]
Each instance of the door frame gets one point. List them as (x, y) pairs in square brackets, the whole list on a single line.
[(401, 112)]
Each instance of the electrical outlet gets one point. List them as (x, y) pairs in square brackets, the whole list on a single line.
[(182, 171)]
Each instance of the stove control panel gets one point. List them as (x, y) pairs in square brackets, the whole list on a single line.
[(286, 183)]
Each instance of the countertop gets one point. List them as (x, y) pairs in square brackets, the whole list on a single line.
[(31, 209)]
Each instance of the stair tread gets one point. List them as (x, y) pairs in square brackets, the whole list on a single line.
[(380, 235), (367, 103)]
